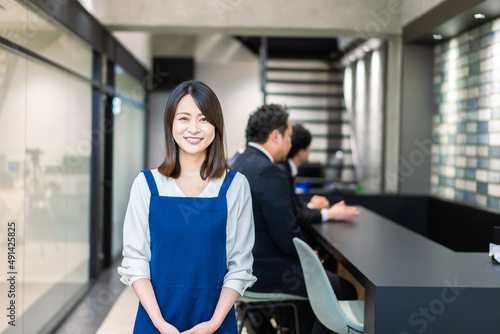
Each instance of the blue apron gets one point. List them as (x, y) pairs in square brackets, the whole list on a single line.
[(188, 258)]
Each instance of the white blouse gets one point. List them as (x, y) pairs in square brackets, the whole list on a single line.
[(240, 235)]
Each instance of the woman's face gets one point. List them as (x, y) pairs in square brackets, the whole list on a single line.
[(192, 131)]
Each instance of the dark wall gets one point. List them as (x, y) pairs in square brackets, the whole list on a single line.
[(461, 227), (169, 72), (408, 211)]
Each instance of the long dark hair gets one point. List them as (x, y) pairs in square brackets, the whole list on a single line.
[(215, 164)]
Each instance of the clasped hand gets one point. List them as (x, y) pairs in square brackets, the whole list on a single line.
[(202, 328)]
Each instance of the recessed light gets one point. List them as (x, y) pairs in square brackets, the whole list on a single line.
[(366, 48), (117, 106), (479, 16), (437, 36), (352, 58)]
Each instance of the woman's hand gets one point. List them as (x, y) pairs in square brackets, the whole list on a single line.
[(166, 328), (226, 301), (203, 328), (144, 290)]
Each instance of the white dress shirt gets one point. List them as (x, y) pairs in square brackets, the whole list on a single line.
[(263, 150), (293, 168), (240, 234)]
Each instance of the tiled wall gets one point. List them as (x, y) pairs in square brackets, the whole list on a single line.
[(466, 124)]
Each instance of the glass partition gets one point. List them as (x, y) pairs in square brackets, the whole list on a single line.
[(52, 41), (12, 175), (46, 95), (45, 127), (128, 86), (128, 147)]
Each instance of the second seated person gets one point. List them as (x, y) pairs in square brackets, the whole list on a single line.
[(317, 209), (276, 262), (188, 231)]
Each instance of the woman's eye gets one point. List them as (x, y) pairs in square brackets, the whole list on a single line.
[(183, 119), (203, 119)]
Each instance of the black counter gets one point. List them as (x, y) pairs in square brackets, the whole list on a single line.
[(413, 284)]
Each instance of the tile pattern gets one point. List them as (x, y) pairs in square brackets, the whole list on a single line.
[(466, 123)]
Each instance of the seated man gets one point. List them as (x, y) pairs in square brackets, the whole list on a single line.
[(276, 262), (317, 209)]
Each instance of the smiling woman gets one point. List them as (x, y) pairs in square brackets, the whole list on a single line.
[(188, 231), (195, 106), (191, 130)]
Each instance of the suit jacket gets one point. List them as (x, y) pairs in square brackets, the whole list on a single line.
[(305, 216), (274, 253)]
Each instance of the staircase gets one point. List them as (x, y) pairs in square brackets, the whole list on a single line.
[(312, 89)]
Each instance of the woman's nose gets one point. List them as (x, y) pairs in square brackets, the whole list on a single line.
[(193, 127)]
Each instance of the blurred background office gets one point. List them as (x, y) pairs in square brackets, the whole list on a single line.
[(402, 99)]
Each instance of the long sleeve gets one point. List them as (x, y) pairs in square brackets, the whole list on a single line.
[(278, 209), (136, 246), (307, 216), (240, 236)]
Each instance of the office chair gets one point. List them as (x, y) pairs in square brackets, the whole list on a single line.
[(342, 317)]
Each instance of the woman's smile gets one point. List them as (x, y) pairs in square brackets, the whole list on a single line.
[(194, 140), (192, 132)]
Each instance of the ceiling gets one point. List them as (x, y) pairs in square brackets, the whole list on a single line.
[(450, 18), (295, 48)]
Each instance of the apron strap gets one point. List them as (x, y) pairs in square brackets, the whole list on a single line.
[(151, 182), (227, 182)]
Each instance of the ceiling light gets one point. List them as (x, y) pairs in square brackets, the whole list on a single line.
[(479, 16), (366, 48), (437, 36), (352, 58), (117, 106)]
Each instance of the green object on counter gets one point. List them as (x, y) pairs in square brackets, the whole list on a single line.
[(360, 189)]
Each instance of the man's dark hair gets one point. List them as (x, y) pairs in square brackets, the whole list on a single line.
[(301, 139), (264, 120)]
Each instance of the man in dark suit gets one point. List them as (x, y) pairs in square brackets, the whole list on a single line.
[(318, 209), (276, 262)]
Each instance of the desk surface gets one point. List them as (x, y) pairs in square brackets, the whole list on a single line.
[(413, 284), (388, 254)]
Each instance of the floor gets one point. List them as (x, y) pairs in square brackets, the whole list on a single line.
[(121, 317), (103, 300)]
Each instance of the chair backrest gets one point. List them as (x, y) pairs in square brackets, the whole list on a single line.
[(323, 301)]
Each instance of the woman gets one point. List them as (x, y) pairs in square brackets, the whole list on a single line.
[(188, 231)]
